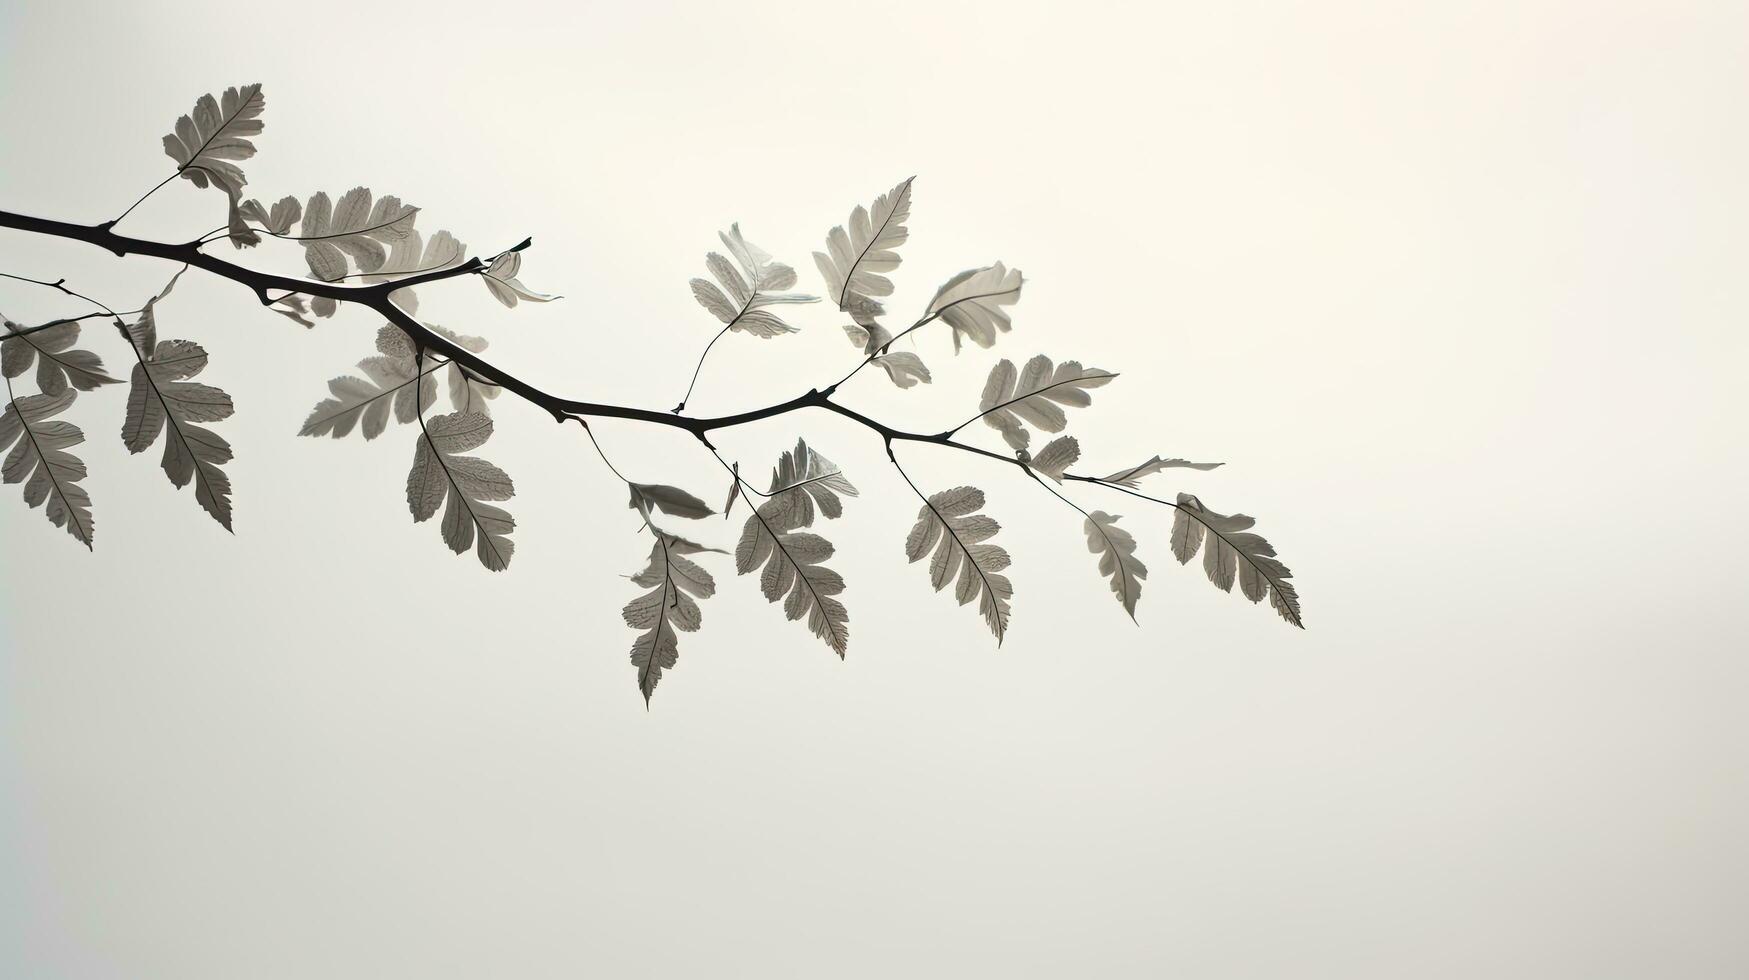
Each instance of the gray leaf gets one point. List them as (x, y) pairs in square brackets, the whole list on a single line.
[(947, 526), (1234, 551), (853, 261)]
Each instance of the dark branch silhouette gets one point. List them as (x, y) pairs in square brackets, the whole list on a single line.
[(377, 239)]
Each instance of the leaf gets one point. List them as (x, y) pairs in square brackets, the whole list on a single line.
[(1117, 558), (1033, 394), (734, 489), (743, 293), (39, 459), (854, 261), (948, 525), (669, 500), (815, 479), (500, 279), (1234, 551), (161, 398), (1132, 477), (58, 364), (1058, 455), (870, 336), (462, 485), (467, 392), (285, 212), (204, 144), (972, 302), (904, 367), (793, 560), (411, 255), (675, 584), (295, 309), (354, 228), (389, 385)]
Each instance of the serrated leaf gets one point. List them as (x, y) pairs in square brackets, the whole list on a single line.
[(59, 364), (1033, 395), (353, 228), (948, 525), (804, 477), (501, 282), (1117, 558), (204, 143), (791, 559), (971, 303), (1234, 552), (1055, 459), (467, 391), (279, 219), (39, 459), (739, 295), (162, 401), (675, 585), (462, 485), (413, 254), (1132, 477), (388, 387), (854, 261)]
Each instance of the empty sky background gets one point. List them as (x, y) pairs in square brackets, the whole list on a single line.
[(1457, 291)]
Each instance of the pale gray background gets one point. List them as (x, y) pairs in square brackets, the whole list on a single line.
[(1457, 290)]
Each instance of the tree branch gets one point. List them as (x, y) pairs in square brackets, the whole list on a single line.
[(376, 297)]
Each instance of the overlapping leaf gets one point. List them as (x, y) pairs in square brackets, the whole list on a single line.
[(1234, 551), (50, 348), (39, 459), (204, 143), (740, 302), (669, 500), (1034, 395), (792, 559), (948, 525), (462, 487), (412, 254), (854, 261), (904, 368), (1117, 558), (356, 228), (162, 401), (971, 303), (675, 585), (394, 383)]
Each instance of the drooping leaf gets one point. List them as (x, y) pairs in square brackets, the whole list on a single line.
[(1234, 551), (1117, 558), (1132, 477), (501, 282), (904, 368), (793, 560), (162, 400), (854, 261), (948, 525), (462, 485), (971, 303), (669, 500), (204, 143), (1033, 395), (39, 459), (675, 583), (1055, 459), (734, 489), (58, 363)]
